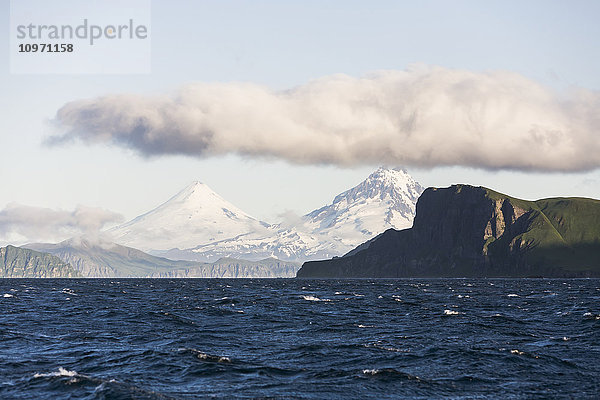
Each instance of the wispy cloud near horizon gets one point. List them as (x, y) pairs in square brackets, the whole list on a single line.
[(20, 224), (421, 117)]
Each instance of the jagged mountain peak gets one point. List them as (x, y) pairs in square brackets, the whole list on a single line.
[(390, 171), (390, 176), (394, 183), (385, 199)]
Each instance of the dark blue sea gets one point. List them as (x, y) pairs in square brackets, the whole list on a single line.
[(304, 339)]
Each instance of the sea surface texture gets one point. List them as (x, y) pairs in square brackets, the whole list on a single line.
[(305, 339)]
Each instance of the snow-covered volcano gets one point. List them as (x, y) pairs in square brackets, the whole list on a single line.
[(196, 215), (386, 199)]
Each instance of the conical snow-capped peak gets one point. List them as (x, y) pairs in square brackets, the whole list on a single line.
[(194, 215), (195, 191), (198, 196), (196, 187)]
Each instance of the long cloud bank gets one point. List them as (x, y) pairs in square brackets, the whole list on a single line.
[(422, 116), (20, 223)]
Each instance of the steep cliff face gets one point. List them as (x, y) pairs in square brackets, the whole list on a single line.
[(473, 231), (16, 262), (457, 228)]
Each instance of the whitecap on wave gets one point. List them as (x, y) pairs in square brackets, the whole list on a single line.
[(111, 387), (451, 312), (208, 357), (591, 316), (390, 372), (61, 372), (371, 371), (313, 298), (386, 348)]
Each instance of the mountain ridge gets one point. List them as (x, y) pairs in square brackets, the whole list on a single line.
[(101, 259)]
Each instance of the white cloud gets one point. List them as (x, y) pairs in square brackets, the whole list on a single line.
[(20, 224), (422, 116), (289, 219)]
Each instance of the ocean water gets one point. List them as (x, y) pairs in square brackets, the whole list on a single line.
[(305, 339)]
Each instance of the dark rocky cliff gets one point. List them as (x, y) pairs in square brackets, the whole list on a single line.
[(466, 231)]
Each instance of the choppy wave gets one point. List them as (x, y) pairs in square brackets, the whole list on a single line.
[(309, 339), (451, 312), (313, 298), (208, 357), (590, 315), (61, 372), (390, 372)]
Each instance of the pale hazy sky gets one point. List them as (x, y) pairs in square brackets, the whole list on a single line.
[(285, 45)]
